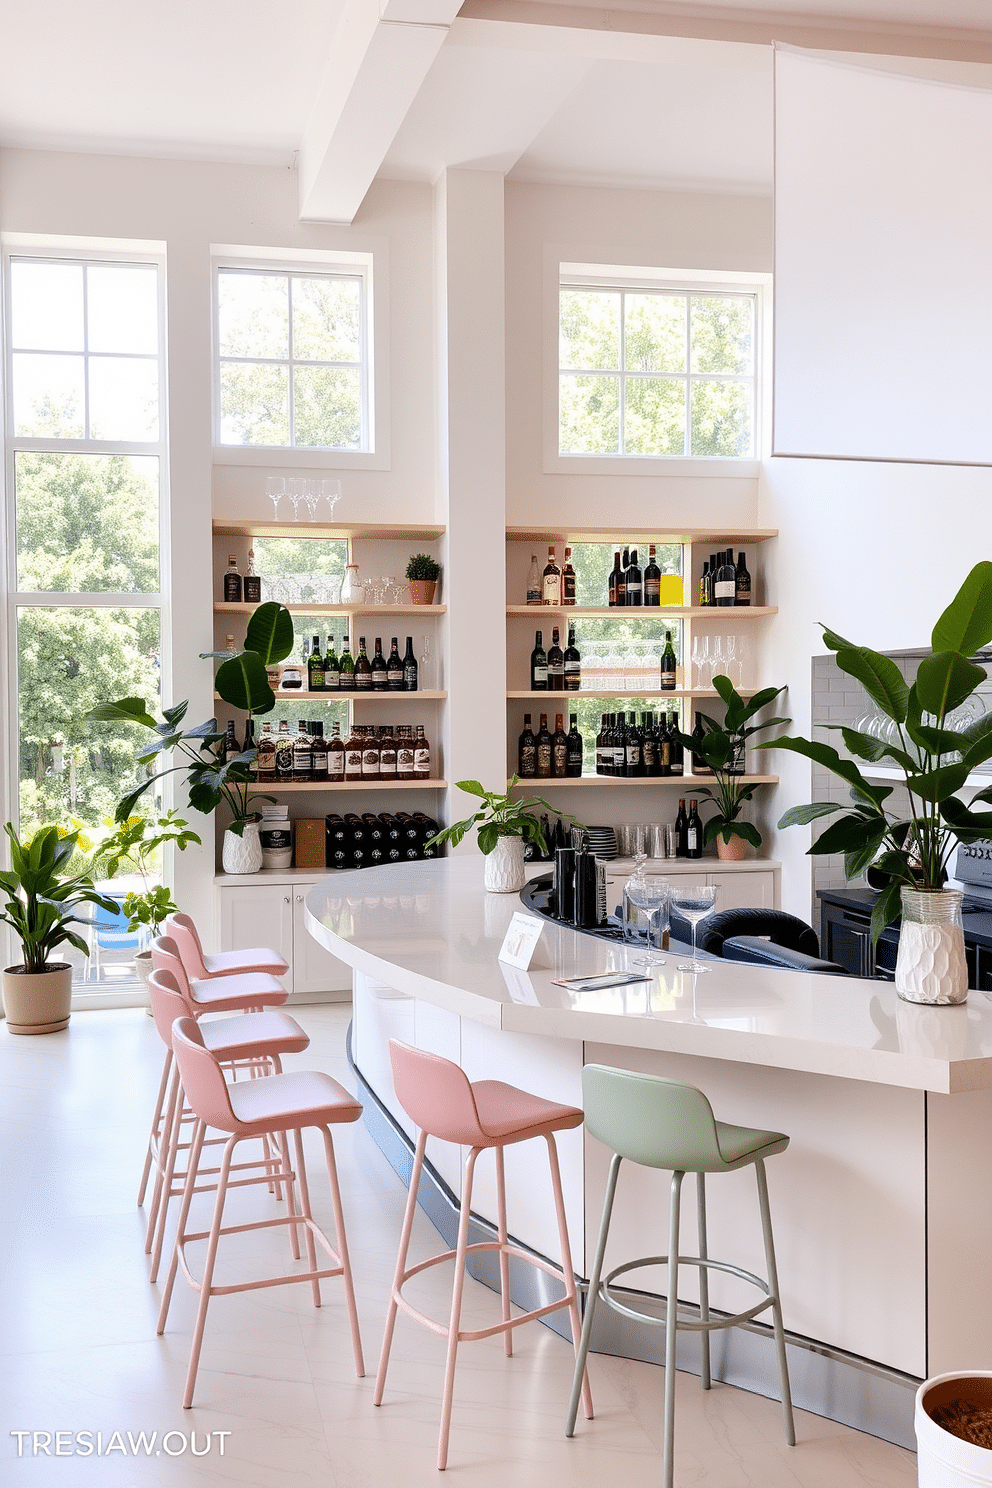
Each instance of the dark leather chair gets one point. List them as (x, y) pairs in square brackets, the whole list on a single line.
[(762, 937)]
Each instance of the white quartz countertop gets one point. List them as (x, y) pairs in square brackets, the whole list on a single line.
[(430, 930)]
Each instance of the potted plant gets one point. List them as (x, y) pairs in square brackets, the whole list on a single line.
[(422, 571), (41, 898), (932, 756), (504, 825), (722, 749), (241, 681), (133, 846)]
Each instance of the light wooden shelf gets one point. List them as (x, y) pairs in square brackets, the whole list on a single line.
[(348, 785), (649, 612), (649, 697), (287, 694), (640, 536), (383, 612), (398, 531), (537, 785)]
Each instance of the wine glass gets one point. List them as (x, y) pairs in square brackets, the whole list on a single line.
[(330, 490), (701, 659), (718, 665), (652, 894), (275, 489), (694, 902), (428, 681), (733, 665), (294, 490), (311, 495)]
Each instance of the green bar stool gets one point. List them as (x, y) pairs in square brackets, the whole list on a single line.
[(661, 1124)]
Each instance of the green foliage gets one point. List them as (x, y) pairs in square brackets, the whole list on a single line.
[(933, 757), (499, 816), (720, 743), (42, 895), (423, 566), (134, 846)]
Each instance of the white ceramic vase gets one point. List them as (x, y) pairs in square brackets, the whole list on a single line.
[(945, 1460), (931, 966), (242, 854), (505, 866)]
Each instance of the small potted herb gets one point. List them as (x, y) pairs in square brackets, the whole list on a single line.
[(422, 572), (504, 825)]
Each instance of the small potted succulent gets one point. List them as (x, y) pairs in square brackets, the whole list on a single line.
[(41, 897), (422, 572), (722, 749), (133, 846), (504, 825)]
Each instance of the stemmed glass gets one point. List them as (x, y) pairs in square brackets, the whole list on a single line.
[(311, 495), (295, 493), (694, 902), (718, 666), (701, 659), (330, 490), (652, 894), (733, 665), (275, 489)]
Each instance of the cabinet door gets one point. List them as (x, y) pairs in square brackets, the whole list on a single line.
[(845, 938), (258, 915), (314, 969), (743, 890)]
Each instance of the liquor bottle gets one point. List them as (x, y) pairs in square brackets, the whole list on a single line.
[(527, 752), (634, 761), (353, 754), (573, 767), (704, 581), (535, 592), (620, 746), (601, 746), (363, 669), (335, 756), (332, 671), (556, 664), (284, 753), (677, 754), (559, 749), (668, 664), (404, 753), (588, 889), (421, 755), (318, 748), (573, 663), (622, 580), (315, 667), (370, 754), (229, 745), (265, 759), (635, 583), (725, 584), (652, 579), (551, 583), (614, 579), (250, 744), (664, 747), (387, 754), (681, 831), (232, 582), (302, 753), (650, 746), (568, 580), (252, 583), (709, 597), (230, 647), (543, 750), (539, 665), (411, 671), (380, 679), (694, 833), (394, 668), (346, 667), (742, 594)]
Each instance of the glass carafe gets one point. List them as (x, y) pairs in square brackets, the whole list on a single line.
[(352, 589)]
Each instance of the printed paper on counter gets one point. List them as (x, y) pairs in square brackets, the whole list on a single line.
[(521, 940)]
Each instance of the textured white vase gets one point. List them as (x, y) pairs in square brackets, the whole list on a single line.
[(505, 866), (931, 966), (242, 854)]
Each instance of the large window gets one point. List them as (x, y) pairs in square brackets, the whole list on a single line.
[(655, 372), (292, 359)]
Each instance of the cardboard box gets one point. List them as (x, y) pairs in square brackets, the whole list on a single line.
[(310, 846)]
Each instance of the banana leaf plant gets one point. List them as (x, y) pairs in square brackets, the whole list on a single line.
[(930, 754), (41, 895), (242, 681), (720, 746)]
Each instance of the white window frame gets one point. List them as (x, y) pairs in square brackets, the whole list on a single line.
[(375, 412), (561, 273)]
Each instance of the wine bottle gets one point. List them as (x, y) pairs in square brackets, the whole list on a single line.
[(699, 765), (634, 761), (318, 750), (573, 663), (635, 583), (551, 586), (601, 746), (315, 667), (568, 580), (387, 753), (363, 668), (250, 744), (534, 587), (650, 746), (681, 831), (725, 584), (394, 668), (620, 746), (232, 582), (302, 753), (574, 761), (421, 755), (694, 833), (668, 664), (742, 581), (622, 581), (265, 759), (543, 750), (710, 581), (411, 671), (229, 745), (284, 753), (335, 756), (332, 672), (556, 664), (652, 579), (614, 579), (380, 679), (346, 668), (664, 747), (539, 665), (559, 749), (676, 747), (704, 582), (527, 752), (252, 583)]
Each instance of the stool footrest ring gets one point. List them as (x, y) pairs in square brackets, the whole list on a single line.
[(684, 1325), (442, 1330)]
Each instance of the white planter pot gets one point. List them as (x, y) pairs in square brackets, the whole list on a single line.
[(37, 1001), (505, 866), (931, 966), (242, 854), (944, 1460)]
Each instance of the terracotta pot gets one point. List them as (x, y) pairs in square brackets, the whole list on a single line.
[(422, 591), (734, 851), (37, 1001)]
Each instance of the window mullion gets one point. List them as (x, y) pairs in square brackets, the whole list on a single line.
[(291, 390)]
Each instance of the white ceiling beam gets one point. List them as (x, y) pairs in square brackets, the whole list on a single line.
[(381, 54)]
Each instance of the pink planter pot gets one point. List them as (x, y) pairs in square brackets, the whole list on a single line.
[(734, 851)]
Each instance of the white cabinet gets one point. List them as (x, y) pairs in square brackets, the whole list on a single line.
[(736, 890), (271, 914)]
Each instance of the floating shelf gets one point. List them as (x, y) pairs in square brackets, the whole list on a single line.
[(640, 536), (373, 611), (649, 612), (401, 531), (539, 784), (649, 697), (288, 693), (349, 785)]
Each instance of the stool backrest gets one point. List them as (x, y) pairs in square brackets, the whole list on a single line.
[(182, 931), (436, 1094), (166, 957), (202, 1077), (168, 1003), (649, 1120)]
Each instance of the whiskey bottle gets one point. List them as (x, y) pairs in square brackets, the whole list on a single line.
[(559, 749), (394, 668), (742, 581), (652, 579), (387, 754), (568, 580), (318, 746), (574, 760), (668, 664), (411, 677), (380, 680), (573, 663), (543, 750), (335, 756), (353, 754), (694, 833), (252, 583), (527, 752), (556, 664), (315, 667), (232, 582), (635, 584), (404, 753), (346, 668), (284, 753), (265, 759), (421, 755), (363, 669), (539, 665), (613, 583), (551, 583), (332, 675), (370, 754), (302, 753), (534, 588)]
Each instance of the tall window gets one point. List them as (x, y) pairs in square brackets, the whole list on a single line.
[(655, 372), (85, 462), (292, 359)]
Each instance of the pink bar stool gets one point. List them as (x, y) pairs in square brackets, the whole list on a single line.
[(251, 1044), (439, 1097), (273, 1106), (201, 967), (247, 992)]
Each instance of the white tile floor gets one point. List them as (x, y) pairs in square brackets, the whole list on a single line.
[(78, 1350)]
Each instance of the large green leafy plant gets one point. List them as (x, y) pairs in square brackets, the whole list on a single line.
[(719, 747), (499, 816), (42, 895), (928, 752), (241, 681), (132, 848)]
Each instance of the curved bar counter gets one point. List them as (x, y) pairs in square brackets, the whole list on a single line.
[(882, 1204)]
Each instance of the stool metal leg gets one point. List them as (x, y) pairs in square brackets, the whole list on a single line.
[(704, 1277), (458, 1288), (342, 1245), (671, 1323), (404, 1246), (504, 1259), (593, 1292), (783, 1364)]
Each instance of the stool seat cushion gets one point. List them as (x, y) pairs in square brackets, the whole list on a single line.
[(234, 993), (283, 1102), (231, 963), (742, 1144), (254, 1035), (507, 1114)]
